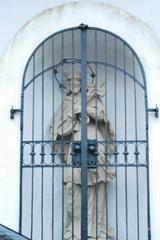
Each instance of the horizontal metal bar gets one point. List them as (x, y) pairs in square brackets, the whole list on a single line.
[(154, 110), (63, 62), (69, 142), (88, 62), (119, 69), (13, 111), (71, 166)]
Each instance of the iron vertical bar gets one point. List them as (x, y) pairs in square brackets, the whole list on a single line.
[(116, 158), (21, 161), (32, 150), (96, 73), (53, 144), (62, 145), (42, 144), (72, 134), (147, 151), (96, 126), (136, 146), (84, 151), (125, 145), (148, 172), (147, 157), (106, 134)]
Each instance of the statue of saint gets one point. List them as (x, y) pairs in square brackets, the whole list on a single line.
[(67, 126)]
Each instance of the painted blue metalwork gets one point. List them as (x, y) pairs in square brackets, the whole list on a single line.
[(84, 152)]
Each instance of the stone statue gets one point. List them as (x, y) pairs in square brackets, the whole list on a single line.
[(68, 125)]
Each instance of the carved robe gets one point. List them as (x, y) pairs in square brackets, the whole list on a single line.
[(68, 124)]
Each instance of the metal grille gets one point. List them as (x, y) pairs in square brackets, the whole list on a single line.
[(84, 139)]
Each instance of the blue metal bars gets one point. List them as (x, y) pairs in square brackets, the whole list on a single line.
[(84, 140), (84, 143)]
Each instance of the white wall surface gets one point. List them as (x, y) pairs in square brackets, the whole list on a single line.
[(141, 37), (14, 14)]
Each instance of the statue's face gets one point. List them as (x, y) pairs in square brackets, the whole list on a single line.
[(73, 86)]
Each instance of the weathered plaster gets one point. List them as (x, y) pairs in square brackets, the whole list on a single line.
[(139, 35)]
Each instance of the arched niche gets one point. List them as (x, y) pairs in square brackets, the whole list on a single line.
[(133, 30), (111, 60)]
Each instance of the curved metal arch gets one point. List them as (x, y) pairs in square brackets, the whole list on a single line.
[(88, 28), (101, 63)]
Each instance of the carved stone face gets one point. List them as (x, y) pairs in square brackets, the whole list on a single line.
[(73, 83)]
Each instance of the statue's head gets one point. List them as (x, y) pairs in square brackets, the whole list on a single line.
[(73, 82)]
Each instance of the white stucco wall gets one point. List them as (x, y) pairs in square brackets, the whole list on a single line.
[(14, 14), (138, 34)]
